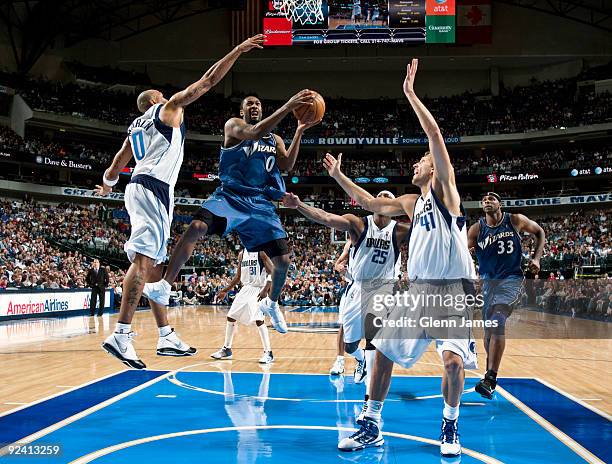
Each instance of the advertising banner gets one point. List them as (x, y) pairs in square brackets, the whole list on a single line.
[(17, 303)]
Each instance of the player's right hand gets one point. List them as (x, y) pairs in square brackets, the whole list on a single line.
[(303, 97), (291, 200), (102, 190), (340, 267), (333, 165), (252, 42), (221, 296)]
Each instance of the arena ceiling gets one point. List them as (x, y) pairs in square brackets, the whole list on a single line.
[(32, 25)]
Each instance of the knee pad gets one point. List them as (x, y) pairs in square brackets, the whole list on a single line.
[(369, 345), (351, 347), (259, 323)]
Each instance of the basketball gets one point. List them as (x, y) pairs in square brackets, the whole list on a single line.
[(308, 113)]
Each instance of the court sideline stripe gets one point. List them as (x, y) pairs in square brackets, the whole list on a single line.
[(558, 434), (86, 412), (576, 400)]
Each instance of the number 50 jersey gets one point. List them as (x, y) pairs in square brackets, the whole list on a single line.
[(438, 242), (377, 254)]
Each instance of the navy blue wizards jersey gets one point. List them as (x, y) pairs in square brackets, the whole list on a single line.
[(249, 168), (499, 250)]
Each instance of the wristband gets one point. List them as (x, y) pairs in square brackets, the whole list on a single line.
[(109, 183)]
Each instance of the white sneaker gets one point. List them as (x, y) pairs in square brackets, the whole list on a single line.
[(158, 292), (367, 436), (222, 353), (338, 367), (271, 308), (267, 358), (121, 347), (360, 371), (449, 438), (172, 345)]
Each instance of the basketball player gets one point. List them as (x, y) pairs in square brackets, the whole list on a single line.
[(356, 15), (341, 266), (250, 171), (156, 140), (497, 241), (374, 264), (439, 263), (252, 274)]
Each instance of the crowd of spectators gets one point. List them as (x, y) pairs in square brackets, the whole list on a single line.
[(537, 106), (51, 246)]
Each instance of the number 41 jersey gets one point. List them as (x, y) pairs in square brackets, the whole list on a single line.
[(438, 242), (499, 250), (377, 254)]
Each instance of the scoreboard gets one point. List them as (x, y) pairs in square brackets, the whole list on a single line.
[(323, 22)]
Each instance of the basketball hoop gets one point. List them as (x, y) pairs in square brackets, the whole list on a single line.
[(301, 11)]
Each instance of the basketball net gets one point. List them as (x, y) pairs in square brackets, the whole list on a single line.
[(301, 11)]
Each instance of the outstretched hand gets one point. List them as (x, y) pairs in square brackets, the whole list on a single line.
[(333, 165), (252, 42), (303, 97), (410, 76), (102, 190), (291, 200), (307, 125)]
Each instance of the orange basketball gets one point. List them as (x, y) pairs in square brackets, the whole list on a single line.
[(308, 113)]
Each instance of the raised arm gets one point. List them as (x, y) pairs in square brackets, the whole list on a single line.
[(346, 223), (523, 224), (173, 108), (111, 175), (381, 205), (239, 129), (285, 159)]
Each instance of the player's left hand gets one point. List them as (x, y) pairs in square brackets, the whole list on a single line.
[(307, 125), (291, 200), (332, 164), (534, 266), (262, 294), (102, 190), (252, 42), (410, 75)]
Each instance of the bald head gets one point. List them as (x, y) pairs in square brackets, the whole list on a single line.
[(147, 99)]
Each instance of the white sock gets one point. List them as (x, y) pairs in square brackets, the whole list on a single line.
[(123, 328), (265, 337), (357, 354), (374, 410), (340, 358), (370, 355), (449, 412), (230, 328), (165, 330)]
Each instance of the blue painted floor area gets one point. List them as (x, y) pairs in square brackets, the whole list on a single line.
[(225, 417)]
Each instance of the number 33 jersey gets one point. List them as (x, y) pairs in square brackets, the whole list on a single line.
[(377, 254), (499, 250), (438, 242)]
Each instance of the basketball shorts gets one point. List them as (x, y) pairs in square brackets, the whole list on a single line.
[(254, 217), (358, 310), (429, 312), (342, 302), (245, 307), (505, 291), (149, 202)]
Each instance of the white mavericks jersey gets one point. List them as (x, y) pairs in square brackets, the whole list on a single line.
[(252, 270), (438, 242), (158, 148), (377, 254)]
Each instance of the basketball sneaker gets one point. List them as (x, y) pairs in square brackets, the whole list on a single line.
[(338, 367), (223, 353), (172, 345), (486, 387), (367, 436), (449, 438), (121, 347), (272, 309), (362, 414), (267, 358), (360, 371), (158, 292)]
